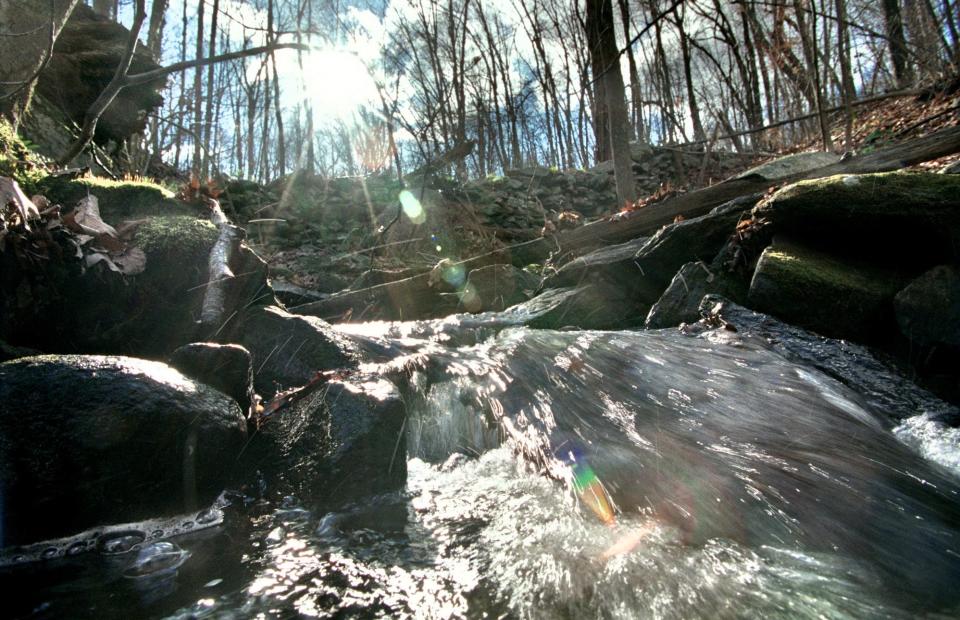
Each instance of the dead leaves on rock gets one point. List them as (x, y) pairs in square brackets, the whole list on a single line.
[(40, 231)]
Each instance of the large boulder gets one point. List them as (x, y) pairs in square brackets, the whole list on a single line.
[(928, 309), (831, 296), (92, 440), (288, 350), (892, 218), (84, 60), (65, 303), (342, 440)]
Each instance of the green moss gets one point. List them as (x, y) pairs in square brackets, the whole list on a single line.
[(176, 235), (18, 161), (886, 193), (804, 267), (118, 200)]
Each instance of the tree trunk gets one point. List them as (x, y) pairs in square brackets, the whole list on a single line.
[(606, 66), (208, 113), (198, 99), (25, 56), (158, 18), (893, 20)]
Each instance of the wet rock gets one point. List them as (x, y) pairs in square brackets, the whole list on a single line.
[(589, 306), (10, 352), (292, 295), (497, 287), (374, 277), (288, 349), (343, 441), (632, 276), (680, 303), (820, 292), (224, 367), (895, 218), (91, 440), (878, 380), (928, 309)]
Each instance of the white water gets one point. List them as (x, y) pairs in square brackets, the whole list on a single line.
[(744, 486)]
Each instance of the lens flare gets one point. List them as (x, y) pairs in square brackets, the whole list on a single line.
[(412, 207)]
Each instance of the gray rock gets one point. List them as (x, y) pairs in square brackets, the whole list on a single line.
[(343, 440), (928, 309), (915, 214), (680, 303), (288, 349), (92, 440), (882, 385), (790, 165), (225, 367)]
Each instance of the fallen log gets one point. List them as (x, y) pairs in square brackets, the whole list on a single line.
[(647, 220)]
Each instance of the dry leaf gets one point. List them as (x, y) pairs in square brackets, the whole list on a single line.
[(87, 214), (10, 192)]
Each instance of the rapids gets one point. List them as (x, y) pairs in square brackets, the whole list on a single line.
[(579, 474)]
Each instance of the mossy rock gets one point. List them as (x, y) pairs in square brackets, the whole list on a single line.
[(18, 161), (118, 200), (825, 294), (893, 218), (175, 236)]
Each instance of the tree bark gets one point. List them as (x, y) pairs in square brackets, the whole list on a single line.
[(605, 58), (158, 19), (893, 20), (198, 99)]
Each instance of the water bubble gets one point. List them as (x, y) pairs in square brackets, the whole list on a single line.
[(187, 525), (213, 583), (156, 534), (77, 548), (119, 542), (210, 515), (293, 515), (49, 553), (328, 526), (159, 558), (275, 537)]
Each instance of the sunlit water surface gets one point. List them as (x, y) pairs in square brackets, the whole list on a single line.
[(731, 483)]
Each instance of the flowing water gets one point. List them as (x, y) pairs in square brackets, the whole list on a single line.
[(578, 474)]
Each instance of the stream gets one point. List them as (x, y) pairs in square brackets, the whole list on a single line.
[(576, 474)]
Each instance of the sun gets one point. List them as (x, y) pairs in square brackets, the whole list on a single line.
[(338, 84)]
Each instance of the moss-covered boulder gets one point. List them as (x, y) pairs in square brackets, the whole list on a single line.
[(825, 294), (893, 218), (64, 305), (118, 200)]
